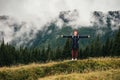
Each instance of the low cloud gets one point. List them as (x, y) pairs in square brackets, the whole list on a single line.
[(33, 15)]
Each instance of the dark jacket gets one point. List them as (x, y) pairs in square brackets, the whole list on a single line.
[(75, 40)]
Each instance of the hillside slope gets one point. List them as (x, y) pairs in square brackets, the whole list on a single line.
[(97, 75), (64, 70)]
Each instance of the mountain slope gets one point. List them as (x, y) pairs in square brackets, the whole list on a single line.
[(32, 34)]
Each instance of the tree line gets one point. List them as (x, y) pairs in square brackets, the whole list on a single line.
[(9, 55)]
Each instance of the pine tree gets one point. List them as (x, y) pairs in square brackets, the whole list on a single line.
[(49, 53), (116, 44), (2, 54), (67, 49), (58, 53), (92, 48), (43, 55), (86, 52), (106, 48), (80, 55), (96, 48)]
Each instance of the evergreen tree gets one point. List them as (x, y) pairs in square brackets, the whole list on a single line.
[(92, 48), (49, 52), (43, 55), (98, 47), (81, 54), (58, 53), (67, 49), (116, 44), (86, 52), (107, 48)]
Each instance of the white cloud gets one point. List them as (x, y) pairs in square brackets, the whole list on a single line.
[(48, 9), (41, 12)]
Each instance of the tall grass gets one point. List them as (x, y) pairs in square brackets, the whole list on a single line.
[(35, 71), (97, 75)]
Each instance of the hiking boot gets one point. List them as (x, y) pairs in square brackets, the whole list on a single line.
[(75, 58), (72, 59)]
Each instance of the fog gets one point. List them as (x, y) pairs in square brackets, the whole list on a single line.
[(46, 10), (38, 13)]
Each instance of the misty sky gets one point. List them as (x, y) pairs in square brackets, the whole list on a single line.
[(47, 9), (40, 12)]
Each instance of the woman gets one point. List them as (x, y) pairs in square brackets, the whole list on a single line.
[(75, 46)]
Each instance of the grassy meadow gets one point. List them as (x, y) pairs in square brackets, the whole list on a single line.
[(85, 69)]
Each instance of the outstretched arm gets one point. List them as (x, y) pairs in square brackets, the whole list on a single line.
[(66, 36), (84, 36)]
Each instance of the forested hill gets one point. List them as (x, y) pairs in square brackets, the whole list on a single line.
[(45, 45), (10, 55)]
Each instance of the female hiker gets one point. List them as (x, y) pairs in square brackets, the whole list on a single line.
[(75, 46)]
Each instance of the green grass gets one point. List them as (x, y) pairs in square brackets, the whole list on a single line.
[(97, 75), (38, 71)]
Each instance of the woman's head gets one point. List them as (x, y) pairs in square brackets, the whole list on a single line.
[(75, 32)]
